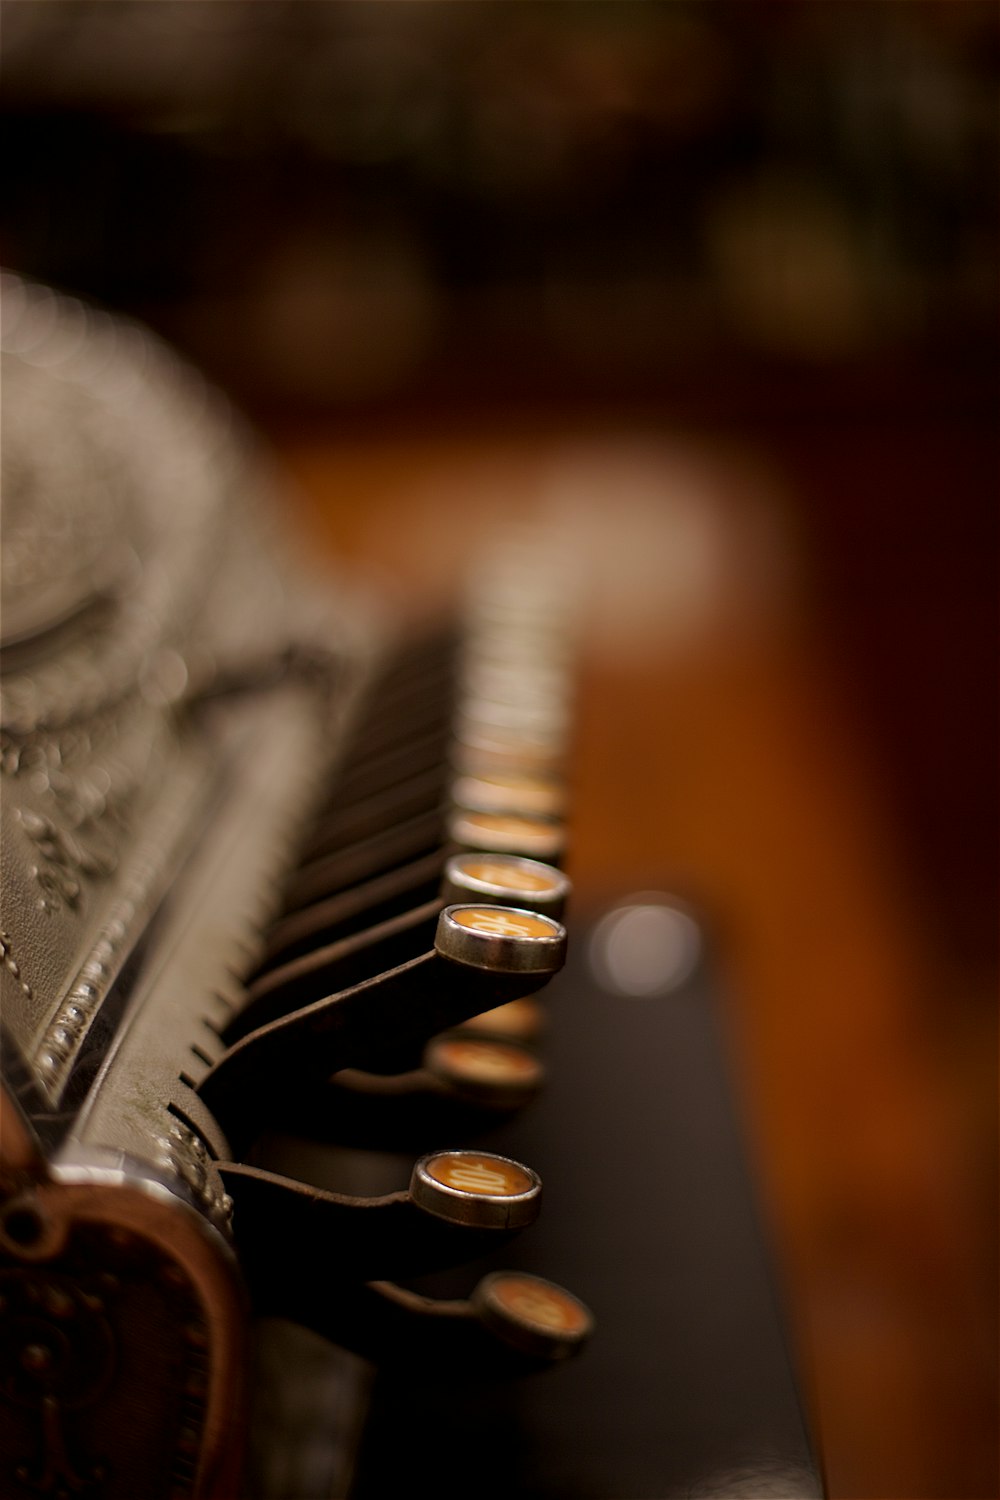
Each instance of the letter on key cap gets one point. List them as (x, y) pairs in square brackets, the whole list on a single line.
[(507, 939), (476, 1187)]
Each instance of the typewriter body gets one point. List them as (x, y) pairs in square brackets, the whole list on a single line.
[(280, 889), (236, 867)]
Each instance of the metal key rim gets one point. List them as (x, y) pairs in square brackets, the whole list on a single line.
[(461, 884), (463, 1206), (496, 944), (520, 1329)]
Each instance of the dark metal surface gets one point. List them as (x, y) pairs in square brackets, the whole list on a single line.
[(688, 1387)]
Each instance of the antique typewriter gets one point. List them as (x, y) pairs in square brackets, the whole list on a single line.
[(281, 885), (263, 869)]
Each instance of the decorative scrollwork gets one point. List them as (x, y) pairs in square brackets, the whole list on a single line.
[(86, 1391), (11, 964), (57, 1355)]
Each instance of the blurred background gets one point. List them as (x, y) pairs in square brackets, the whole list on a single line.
[(713, 290)]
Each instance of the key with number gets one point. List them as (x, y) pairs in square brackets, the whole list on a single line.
[(512, 1324), (459, 1204)]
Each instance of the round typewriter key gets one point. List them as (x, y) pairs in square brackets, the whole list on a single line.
[(505, 880), (468, 761), (506, 939), (485, 1071), (507, 749), (541, 795), (535, 1316), (520, 1019), (546, 721), (506, 833), (477, 1188)]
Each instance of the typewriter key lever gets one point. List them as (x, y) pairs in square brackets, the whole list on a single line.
[(483, 955), (337, 966), (459, 1204), (469, 1080), (374, 900), (512, 1324)]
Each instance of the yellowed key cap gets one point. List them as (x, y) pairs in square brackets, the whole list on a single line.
[(506, 939), (508, 833), (484, 1070), (477, 1188), (534, 1315), (505, 880)]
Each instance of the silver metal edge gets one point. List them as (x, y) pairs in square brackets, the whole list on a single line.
[(505, 955), (512, 1211)]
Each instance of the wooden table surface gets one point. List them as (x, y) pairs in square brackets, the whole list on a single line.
[(722, 755)]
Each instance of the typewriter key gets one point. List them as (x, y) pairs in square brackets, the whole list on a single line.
[(505, 749), (499, 1331), (508, 833), (506, 939), (542, 796), (536, 1316), (490, 726), (485, 1071), (474, 1202), (476, 1188), (482, 956), (520, 1020), (505, 880)]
